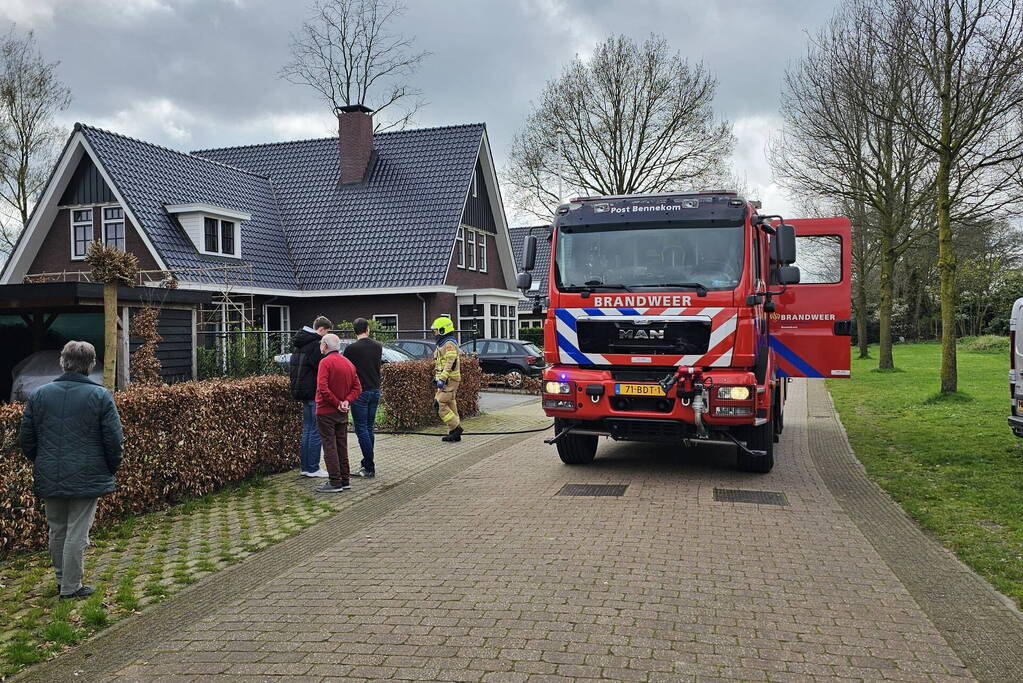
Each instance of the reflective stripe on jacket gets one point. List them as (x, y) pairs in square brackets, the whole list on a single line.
[(445, 360)]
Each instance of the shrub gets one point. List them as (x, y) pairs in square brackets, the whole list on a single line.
[(241, 354), (182, 440), (532, 334), (987, 342), (407, 389)]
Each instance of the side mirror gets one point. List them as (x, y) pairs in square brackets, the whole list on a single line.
[(783, 245), (525, 280), (529, 255), (788, 275)]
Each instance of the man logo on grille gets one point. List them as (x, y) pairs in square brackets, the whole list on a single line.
[(641, 334)]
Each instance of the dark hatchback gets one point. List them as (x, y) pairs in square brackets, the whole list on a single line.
[(513, 358), (417, 348)]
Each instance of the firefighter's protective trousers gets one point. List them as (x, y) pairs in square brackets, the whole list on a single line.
[(445, 362)]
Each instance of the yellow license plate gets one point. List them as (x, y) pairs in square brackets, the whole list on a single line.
[(638, 390)]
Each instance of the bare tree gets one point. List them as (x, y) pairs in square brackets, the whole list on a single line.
[(965, 111), (630, 119), (347, 54), (31, 96), (835, 144)]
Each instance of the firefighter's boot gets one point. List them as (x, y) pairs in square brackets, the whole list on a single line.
[(454, 435)]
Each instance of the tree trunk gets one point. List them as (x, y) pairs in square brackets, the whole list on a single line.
[(887, 294), (109, 335), (861, 319), (946, 279)]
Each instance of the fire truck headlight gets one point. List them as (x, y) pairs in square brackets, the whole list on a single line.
[(557, 388), (734, 393)]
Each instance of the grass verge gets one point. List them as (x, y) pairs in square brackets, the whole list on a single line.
[(950, 461), (141, 561)]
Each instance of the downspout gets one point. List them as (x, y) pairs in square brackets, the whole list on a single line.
[(420, 297)]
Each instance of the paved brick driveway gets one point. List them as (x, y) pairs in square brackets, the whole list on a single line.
[(492, 576)]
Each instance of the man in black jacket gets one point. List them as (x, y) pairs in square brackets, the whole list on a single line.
[(72, 434), (305, 361)]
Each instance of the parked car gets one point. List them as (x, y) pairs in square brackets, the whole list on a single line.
[(390, 355), (417, 348), (513, 358), (42, 367), (1016, 368)]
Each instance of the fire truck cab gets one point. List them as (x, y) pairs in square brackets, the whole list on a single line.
[(678, 318)]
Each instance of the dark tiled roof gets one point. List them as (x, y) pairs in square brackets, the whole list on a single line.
[(396, 229), (543, 258), (149, 176)]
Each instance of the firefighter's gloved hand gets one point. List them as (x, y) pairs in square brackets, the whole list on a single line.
[(440, 383)]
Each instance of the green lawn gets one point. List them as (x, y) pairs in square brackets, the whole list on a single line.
[(951, 462)]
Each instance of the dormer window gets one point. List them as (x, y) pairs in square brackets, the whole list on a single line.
[(214, 230), (219, 236)]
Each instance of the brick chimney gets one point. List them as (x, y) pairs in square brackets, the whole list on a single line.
[(355, 139)]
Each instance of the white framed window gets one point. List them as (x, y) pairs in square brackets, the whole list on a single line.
[(495, 328), (387, 321), (470, 250), (227, 237), (211, 233), (277, 322), (482, 263), (81, 233), (460, 247), (220, 236), (113, 227)]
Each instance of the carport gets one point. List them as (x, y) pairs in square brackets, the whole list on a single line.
[(44, 316)]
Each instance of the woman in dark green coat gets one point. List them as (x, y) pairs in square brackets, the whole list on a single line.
[(72, 433)]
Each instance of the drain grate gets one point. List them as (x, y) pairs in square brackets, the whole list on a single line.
[(746, 496), (592, 489)]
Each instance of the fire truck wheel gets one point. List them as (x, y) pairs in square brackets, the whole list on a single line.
[(759, 439), (576, 449)]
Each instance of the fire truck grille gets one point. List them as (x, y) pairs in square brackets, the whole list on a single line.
[(656, 338)]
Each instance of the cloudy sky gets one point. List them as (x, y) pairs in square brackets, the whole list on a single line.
[(191, 74)]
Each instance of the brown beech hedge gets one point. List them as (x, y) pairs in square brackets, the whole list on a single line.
[(192, 438), (407, 390), (181, 440)]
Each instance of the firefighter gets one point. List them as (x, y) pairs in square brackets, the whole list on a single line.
[(447, 376)]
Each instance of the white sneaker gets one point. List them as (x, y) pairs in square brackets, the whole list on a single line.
[(321, 474)]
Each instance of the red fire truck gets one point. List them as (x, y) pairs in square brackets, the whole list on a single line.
[(678, 318)]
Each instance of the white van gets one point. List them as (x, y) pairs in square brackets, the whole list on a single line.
[(1016, 367)]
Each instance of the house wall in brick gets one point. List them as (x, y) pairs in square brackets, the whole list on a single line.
[(55, 252), (473, 279)]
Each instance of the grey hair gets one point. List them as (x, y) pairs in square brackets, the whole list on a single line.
[(332, 341), (78, 356)]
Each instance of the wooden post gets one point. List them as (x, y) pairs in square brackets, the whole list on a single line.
[(109, 335)]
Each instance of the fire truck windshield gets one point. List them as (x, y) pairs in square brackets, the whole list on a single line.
[(612, 257)]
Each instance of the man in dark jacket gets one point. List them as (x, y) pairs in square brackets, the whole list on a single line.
[(366, 355), (305, 360), (72, 433)]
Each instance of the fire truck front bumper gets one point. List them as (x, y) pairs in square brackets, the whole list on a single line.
[(625, 402)]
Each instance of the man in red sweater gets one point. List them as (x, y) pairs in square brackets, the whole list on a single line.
[(337, 385)]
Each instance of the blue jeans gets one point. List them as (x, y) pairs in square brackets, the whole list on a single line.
[(364, 414), (309, 455)]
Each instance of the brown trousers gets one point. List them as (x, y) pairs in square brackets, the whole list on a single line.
[(333, 429)]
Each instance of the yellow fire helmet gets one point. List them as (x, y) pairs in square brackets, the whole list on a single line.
[(444, 325)]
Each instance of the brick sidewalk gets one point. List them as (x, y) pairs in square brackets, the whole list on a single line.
[(491, 576)]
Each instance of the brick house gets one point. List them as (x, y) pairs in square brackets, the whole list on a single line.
[(399, 226), (533, 307)]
